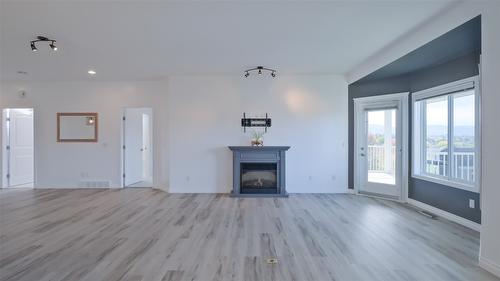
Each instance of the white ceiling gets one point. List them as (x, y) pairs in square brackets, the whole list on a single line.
[(142, 40)]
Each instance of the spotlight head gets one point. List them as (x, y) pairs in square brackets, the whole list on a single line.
[(53, 46), (260, 71), (247, 74), (273, 74), (90, 121), (33, 47)]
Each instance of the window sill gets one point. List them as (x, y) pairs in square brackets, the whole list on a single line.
[(459, 185)]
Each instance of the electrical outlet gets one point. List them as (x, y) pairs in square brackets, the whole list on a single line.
[(310, 177), (334, 178), (472, 203), (188, 178)]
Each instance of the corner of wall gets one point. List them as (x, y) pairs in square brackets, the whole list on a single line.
[(489, 257), (452, 17), (1, 126), (489, 266)]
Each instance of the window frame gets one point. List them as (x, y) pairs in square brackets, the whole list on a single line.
[(419, 139)]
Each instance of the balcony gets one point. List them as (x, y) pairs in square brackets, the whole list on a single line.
[(463, 168), (382, 171), (381, 164)]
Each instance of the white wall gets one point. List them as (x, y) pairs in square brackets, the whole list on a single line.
[(490, 162), (59, 165), (195, 119), (490, 230), (309, 113)]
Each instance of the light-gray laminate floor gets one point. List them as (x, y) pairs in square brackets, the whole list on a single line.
[(143, 234)]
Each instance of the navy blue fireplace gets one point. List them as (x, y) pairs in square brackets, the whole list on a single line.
[(259, 171)]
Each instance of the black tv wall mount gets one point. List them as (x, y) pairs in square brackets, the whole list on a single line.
[(255, 122)]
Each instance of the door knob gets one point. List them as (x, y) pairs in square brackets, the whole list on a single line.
[(362, 154)]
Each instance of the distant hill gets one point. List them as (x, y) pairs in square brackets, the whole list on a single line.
[(436, 131), (458, 131), (377, 129)]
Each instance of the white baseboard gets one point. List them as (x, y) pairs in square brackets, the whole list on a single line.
[(489, 266), (77, 187), (446, 215), (164, 189)]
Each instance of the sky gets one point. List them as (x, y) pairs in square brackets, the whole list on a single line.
[(463, 115), (377, 117), (437, 111)]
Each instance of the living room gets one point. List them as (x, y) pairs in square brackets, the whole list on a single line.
[(238, 140)]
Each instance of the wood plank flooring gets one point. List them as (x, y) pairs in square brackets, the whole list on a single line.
[(143, 234)]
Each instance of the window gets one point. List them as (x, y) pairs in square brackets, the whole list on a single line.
[(445, 138), (381, 146)]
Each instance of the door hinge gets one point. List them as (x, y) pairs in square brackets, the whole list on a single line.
[(7, 147), (7, 119), (123, 118), (8, 176), (123, 175), (123, 147)]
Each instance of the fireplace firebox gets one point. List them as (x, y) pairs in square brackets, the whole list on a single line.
[(259, 178), (259, 171)]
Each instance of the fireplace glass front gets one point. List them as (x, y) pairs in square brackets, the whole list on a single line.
[(258, 178)]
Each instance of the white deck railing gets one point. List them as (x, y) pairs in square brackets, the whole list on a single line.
[(376, 159), (463, 163)]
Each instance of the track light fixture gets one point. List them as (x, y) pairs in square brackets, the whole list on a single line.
[(52, 43), (259, 70), (52, 46)]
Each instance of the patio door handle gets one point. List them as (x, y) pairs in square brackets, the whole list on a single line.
[(362, 154)]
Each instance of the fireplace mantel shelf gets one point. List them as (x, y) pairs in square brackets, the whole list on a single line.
[(234, 148), (251, 155)]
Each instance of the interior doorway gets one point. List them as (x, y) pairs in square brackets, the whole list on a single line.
[(18, 149), (138, 147), (381, 146)]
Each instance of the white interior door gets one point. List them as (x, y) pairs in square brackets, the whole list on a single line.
[(20, 148), (137, 147), (147, 156), (133, 146), (379, 146)]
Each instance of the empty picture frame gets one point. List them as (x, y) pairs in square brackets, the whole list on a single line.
[(77, 127)]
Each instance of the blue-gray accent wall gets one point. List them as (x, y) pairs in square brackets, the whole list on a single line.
[(457, 66)]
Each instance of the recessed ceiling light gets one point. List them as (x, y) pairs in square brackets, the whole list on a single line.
[(91, 72)]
